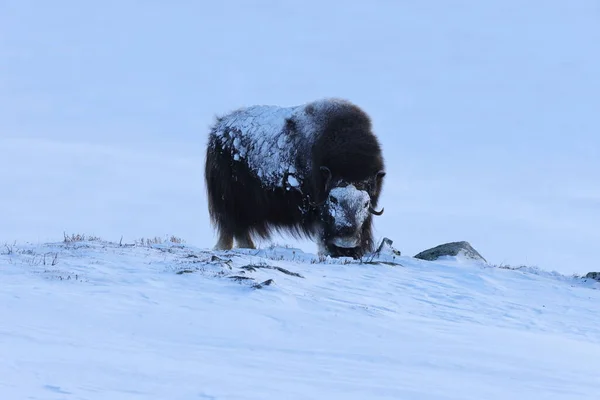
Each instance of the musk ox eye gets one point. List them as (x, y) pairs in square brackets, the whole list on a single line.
[(333, 199), (366, 204)]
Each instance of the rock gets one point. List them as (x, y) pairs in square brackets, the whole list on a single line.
[(268, 282), (386, 247), (452, 249), (593, 275)]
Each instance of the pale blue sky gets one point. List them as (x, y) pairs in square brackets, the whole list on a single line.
[(488, 113)]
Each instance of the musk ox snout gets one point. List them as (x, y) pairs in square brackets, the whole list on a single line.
[(347, 209)]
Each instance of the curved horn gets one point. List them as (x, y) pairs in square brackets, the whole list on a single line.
[(326, 172), (373, 211), (327, 175)]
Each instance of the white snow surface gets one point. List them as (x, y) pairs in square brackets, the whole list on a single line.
[(169, 321)]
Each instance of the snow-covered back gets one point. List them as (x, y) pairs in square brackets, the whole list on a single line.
[(95, 320), (258, 136)]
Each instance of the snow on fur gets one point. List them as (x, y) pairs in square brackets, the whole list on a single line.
[(348, 198), (258, 135)]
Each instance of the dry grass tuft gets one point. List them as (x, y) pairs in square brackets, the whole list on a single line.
[(158, 240), (78, 237)]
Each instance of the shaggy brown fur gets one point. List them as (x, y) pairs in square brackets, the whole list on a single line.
[(341, 150)]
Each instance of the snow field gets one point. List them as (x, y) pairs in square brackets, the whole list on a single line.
[(171, 321)]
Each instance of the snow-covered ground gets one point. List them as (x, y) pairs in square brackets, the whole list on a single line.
[(99, 320)]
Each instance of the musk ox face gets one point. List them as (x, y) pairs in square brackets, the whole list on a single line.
[(345, 215)]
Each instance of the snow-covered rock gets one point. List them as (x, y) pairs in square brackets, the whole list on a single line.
[(452, 249), (593, 275)]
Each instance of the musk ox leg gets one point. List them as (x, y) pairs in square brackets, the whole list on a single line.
[(225, 241), (244, 241)]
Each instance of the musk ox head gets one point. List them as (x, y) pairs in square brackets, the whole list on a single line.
[(346, 213)]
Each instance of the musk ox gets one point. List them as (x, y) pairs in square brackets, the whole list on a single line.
[(315, 171)]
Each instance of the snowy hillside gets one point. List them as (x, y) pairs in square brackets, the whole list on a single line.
[(97, 320)]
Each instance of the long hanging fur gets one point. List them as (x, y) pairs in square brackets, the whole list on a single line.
[(264, 169)]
